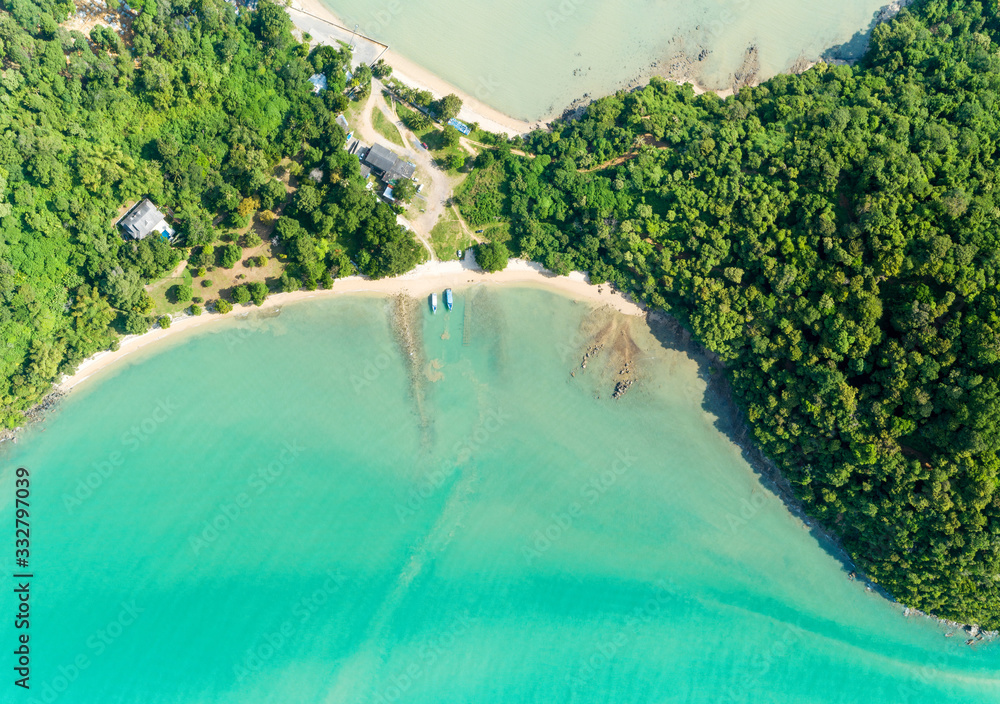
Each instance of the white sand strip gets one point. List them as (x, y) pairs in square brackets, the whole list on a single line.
[(313, 17), (421, 281)]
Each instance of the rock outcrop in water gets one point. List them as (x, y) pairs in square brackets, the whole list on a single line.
[(749, 71), (608, 344), (405, 312), (685, 62), (33, 415)]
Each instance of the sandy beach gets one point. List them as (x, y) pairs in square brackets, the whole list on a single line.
[(419, 282), (326, 27), (313, 17)]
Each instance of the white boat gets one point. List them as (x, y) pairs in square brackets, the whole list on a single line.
[(434, 303)]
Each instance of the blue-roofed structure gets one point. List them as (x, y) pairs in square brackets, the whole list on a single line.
[(460, 126)]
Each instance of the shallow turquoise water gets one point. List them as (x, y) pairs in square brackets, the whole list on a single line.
[(285, 517), (532, 58)]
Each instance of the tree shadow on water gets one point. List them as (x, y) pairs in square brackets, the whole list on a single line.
[(732, 422), (855, 47)]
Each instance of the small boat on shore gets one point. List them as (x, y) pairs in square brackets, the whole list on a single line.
[(434, 303), (448, 302)]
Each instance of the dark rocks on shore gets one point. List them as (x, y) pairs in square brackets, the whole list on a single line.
[(34, 414), (748, 72)]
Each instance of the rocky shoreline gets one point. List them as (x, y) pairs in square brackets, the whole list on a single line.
[(33, 415), (684, 64)]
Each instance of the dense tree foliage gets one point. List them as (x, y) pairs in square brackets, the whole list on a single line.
[(492, 256), (381, 70), (404, 190), (181, 293), (833, 238), (229, 255), (194, 115), (447, 107)]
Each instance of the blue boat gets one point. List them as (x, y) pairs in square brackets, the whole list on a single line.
[(434, 303), (447, 298)]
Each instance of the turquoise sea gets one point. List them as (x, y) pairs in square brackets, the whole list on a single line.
[(532, 58), (297, 509)]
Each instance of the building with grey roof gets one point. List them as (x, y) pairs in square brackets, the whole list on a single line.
[(402, 169), (380, 158), (143, 220), (387, 165)]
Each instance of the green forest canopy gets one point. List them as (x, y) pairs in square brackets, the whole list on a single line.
[(833, 237), (194, 115)]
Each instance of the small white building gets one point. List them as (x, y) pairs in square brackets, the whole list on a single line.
[(319, 82)]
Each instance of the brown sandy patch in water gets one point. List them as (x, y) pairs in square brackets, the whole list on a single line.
[(405, 319), (609, 350), (433, 370)]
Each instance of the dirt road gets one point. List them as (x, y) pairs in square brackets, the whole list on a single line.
[(437, 184)]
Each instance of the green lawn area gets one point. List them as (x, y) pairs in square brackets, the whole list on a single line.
[(481, 200), (218, 281), (383, 125), (496, 232), (158, 291), (478, 135), (404, 112), (352, 112), (448, 236)]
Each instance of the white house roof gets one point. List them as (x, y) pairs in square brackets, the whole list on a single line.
[(142, 220), (319, 82)]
